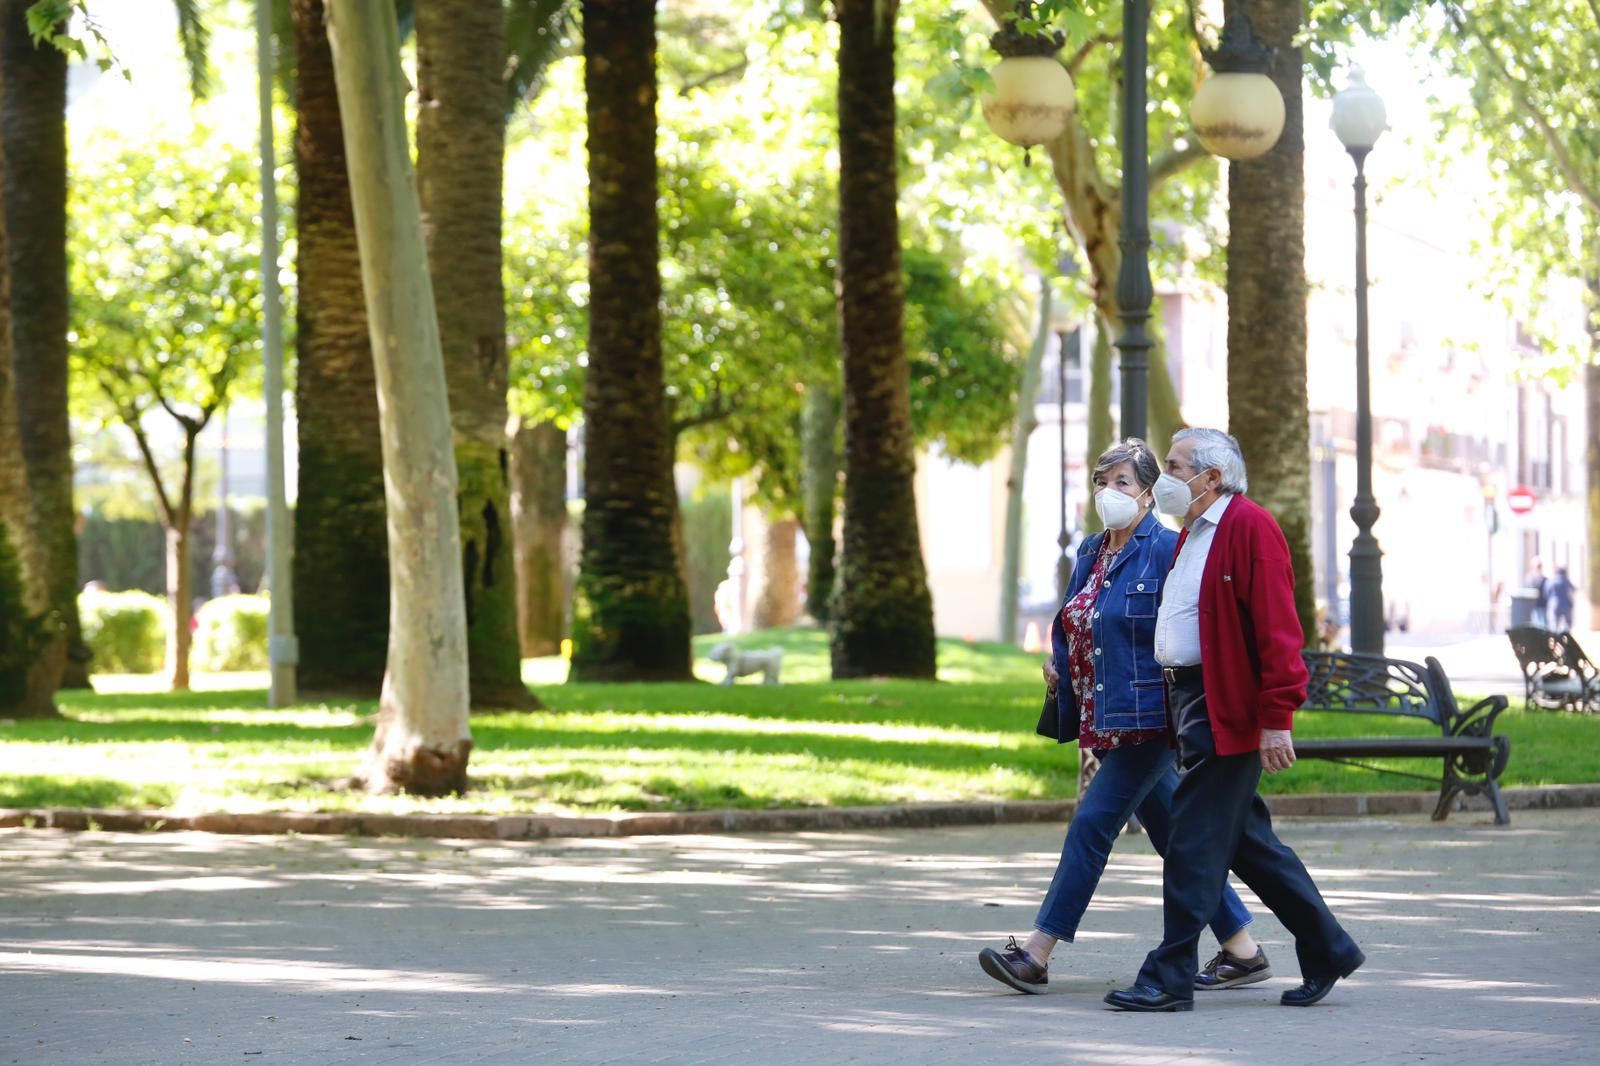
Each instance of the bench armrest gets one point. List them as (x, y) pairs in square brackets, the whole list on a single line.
[(1478, 720)]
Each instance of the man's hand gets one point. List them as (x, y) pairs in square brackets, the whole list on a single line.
[(1277, 750), (1051, 678)]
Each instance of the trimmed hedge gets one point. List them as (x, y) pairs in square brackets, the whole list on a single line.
[(232, 634), (127, 631)]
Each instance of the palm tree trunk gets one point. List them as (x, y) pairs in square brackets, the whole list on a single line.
[(539, 524), (33, 126), (631, 619), (422, 740), (461, 54), (31, 655), (1267, 403), (883, 614), (341, 566), (820, 488)]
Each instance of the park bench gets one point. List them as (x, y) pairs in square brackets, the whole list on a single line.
[(1474, 756), (1556, 674)]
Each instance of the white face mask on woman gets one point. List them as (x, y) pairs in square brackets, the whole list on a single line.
[(1172, 496), (1117, 509)]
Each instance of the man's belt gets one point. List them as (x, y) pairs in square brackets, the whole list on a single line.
[(1188, 676)]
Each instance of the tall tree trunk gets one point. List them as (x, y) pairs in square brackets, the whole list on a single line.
[(883, 613), (1267, 403), (180, 597), (461, 52), (1021, 431), (1100, 427), (778, 601), (820, 488), (33, 124), (32, 645), (631, 619), (539, 524), (341, 566), (422, 740)]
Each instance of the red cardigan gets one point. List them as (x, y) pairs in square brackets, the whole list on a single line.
[(1250, 636)]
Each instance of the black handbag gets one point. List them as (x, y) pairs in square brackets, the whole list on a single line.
[(1049, 719)]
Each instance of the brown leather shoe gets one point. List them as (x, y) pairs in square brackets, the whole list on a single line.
[(1226, 971), (1015, 967)]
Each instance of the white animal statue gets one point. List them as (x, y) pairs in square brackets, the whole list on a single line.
[(741, 661)]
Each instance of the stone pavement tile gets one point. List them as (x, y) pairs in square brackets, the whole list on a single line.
[(799, 948)]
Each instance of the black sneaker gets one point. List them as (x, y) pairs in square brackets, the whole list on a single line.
[(1015, 967), (1225, 971)]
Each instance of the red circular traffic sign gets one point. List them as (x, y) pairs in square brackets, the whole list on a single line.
[(1520, 499)]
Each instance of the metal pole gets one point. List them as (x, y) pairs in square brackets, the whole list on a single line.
[(1134, 291), (1366, 561), (283, 651)]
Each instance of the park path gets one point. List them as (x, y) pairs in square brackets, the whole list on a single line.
[(820, 947)]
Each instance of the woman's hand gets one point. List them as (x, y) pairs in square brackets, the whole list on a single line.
[(1051, 678)]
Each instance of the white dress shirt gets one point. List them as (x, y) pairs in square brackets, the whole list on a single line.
[(1178, 620)]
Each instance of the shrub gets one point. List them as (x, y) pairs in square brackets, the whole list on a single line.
[(232, 634), (127, 631)]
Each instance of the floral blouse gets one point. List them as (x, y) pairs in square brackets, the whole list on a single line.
[(1076, 621)]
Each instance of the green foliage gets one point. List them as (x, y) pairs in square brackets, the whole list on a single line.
[(1531, 111), (964, 380), (232, 634), (166, 279), (50, 20), (537, 31), (125, 630)]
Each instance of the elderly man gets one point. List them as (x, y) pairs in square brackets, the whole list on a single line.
[(1229, 640)]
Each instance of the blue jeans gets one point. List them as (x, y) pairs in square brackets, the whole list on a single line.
[(1135, 777)]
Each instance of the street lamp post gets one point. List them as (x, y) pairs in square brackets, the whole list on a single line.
[(1134, 290), (1358, 120)]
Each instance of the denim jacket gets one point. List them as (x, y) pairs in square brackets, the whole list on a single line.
[(1129, 691)]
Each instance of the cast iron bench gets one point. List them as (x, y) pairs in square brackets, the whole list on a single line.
[(1474, 756), (1556, 674)]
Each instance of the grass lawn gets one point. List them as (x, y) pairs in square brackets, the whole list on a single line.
[(808, 742)]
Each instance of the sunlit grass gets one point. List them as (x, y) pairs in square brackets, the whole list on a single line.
[(656, 747)]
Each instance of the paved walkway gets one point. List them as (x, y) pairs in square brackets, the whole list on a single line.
[(824, 947)]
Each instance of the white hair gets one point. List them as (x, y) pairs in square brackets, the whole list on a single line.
[(1216, 450)]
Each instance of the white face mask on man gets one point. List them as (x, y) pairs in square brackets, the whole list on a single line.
[(1117, 509), (1172, 495)]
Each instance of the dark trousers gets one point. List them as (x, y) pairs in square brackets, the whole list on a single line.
[(1220, 822)]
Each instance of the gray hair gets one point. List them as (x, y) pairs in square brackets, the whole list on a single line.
[(1137, 454), (1216, 450)]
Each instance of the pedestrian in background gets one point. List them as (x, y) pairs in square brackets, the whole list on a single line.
[(1559, 593)]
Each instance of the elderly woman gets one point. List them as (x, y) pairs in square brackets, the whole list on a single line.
[(1106, 691)]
